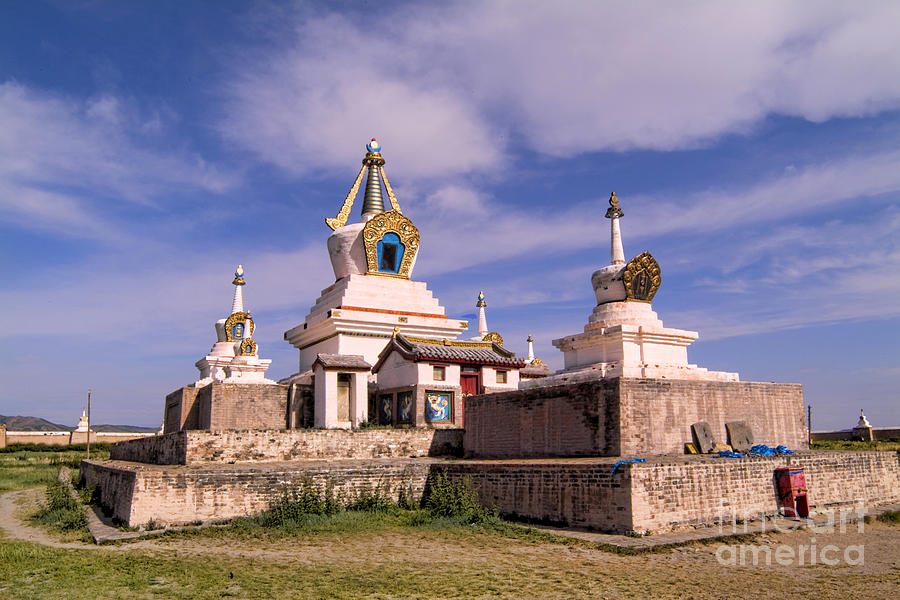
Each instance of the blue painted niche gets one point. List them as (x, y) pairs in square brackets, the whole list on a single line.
[(390, 253)]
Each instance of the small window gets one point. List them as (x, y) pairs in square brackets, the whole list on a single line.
[(501, 376), (440, 373)]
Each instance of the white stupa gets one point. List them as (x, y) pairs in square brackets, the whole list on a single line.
[(623, 336), (373, 293), (82, 423), (863, 421), (234, 358)]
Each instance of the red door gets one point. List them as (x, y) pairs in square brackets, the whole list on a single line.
[(469, 384)]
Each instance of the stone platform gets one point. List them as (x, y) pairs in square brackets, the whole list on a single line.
[(199, 447), (588, 416), (663, 494)]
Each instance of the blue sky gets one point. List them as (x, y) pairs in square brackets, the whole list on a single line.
[(146, 148)]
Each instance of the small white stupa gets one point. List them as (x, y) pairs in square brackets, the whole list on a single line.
[(863, 421), (234, 358), (373, 292), (623, 336), (82, 423), (484, 334), (481, 305)]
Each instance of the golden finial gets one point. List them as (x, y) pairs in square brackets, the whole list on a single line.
[(238, 275), (481, 301), (614, 211)]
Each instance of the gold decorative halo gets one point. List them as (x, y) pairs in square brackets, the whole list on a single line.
[(641, 278), (391, 221), (234, 319), (248, 347)]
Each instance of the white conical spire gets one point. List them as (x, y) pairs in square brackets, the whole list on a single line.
[(237, 304), (530, 350), (482, 318), (614, 213), (863, 421)]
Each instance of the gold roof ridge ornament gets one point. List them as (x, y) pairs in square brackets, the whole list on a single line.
[(493, 336), (373, 203)]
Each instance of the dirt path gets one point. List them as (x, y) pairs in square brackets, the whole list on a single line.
[(14, 503)]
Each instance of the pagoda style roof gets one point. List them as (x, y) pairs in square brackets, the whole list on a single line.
[(450, 351), (354, 362)]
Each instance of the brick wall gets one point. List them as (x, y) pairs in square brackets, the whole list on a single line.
[(117, 486), (195, 447), (223, 406), (628, 417), (167, 449), (697, 491), (656, 414), (579, 419), (49, 438), (657, 496), (578, 493), (181, 410), (173, 495)]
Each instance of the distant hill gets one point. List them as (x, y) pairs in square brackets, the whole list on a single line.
[(124, 429), (38, 424), (31, 424)]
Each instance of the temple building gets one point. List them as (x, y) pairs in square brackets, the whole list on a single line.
[(424, 382), (372, 337), (378, 346)]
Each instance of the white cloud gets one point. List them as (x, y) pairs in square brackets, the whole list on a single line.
[(65, 162), (449, 88)]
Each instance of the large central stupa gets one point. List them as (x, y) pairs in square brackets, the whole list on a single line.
[(373, 294)]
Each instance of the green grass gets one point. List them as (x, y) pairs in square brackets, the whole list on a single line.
[(892, 517), (20, 469), (101, 448), (30, 571), (856, 445), (61, 512)]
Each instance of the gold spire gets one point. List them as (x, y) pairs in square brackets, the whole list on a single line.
[(373, 200), (373, 203)]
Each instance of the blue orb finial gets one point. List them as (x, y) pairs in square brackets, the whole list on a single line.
[(373, 146)]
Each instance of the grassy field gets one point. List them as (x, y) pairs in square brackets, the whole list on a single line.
[(854, 445), (399, 562), (20, 469), (309, 548)]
